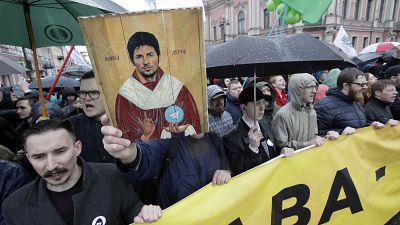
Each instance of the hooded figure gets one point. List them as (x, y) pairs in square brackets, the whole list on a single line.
[(220, 121), (331, 78), (270, 101), (295, 124)]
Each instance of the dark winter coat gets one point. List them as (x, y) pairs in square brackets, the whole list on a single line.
[(236, 144), (395, 106), (377, 110), (88, 131), (233, 108), (190, 169), (105, 193), (338, 111), (12, 177)]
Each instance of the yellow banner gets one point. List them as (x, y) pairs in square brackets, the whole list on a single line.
[(353, 180)]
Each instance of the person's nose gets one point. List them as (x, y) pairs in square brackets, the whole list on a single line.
[(51, 163), (145, 61)]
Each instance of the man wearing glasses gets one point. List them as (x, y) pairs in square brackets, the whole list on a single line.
[(87, 125), (340, 111)]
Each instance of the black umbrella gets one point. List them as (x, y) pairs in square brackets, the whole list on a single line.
[(365, 59), (7, 66), (76, 71), (47, 82), (248, 55)]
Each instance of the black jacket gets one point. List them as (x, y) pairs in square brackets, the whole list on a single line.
[(395, 106), (88, 131), (337, 111), (105, 193), (233, 108), (377, 110), (236, 144)]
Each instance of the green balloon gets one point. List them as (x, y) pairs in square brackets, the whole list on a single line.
[(292, 16), (271, 5), (280, 8)]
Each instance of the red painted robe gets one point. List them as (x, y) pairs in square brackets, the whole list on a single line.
[(136, 101)]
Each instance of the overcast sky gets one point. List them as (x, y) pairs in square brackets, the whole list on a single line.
[(140, 5)]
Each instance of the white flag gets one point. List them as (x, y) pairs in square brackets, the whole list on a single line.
[(76, 57), (343, 42)]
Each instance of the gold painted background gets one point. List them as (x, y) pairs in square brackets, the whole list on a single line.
[(180, 36)]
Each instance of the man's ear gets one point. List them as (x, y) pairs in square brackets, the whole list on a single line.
[(243, 107), (78, 147)]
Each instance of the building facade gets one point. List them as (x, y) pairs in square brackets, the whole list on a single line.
[(50, 62), (365, 21)]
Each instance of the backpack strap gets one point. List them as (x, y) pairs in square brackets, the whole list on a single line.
[(173, 147)]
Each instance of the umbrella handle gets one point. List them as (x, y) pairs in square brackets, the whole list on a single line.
[(60, 72), (35, 59)]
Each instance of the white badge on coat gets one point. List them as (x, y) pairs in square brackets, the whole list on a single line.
[(100, 220), (269, 142)]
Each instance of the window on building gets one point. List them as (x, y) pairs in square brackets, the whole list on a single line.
[(377, 39), (354, 42), (215, 33), (381, 9), (266, 19), (241, 23), (396, 6), (356, 9), (365, 42), (344, 9), (369, 4)]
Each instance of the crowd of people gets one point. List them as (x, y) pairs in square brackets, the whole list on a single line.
[(75, 168)]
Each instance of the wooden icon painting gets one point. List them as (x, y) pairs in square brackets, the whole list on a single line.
[(150, 70)]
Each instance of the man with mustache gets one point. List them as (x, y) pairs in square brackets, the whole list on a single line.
[(295, 124), (339, 111), (150, 99), (219, 120), (68, 189)]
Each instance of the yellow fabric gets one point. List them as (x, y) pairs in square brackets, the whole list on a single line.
[(249, 195)]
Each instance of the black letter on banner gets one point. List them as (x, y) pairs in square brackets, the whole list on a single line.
[(342, 179), (237, 221), (302, 193)]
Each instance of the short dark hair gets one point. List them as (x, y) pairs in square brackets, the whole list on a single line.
[(141, 39), (88, 75), (348, 76), (46, 126), (31, 99), (379, 85)]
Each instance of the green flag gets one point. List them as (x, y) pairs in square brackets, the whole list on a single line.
[(312, 10)]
